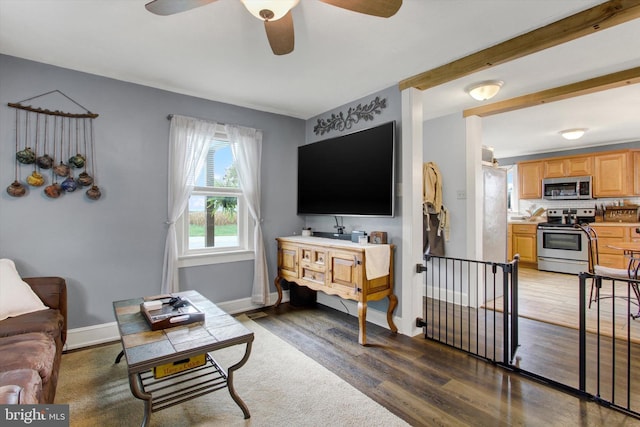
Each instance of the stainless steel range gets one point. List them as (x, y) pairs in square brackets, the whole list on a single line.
[(562, 247)]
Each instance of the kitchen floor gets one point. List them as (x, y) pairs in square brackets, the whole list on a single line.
[(554, 298)]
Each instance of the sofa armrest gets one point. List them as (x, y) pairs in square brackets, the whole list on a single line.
[(53, 293)]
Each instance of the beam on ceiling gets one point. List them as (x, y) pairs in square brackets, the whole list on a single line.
[(600, 17), (596, 84)]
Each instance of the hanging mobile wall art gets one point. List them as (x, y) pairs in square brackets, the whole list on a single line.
[(44, 138)]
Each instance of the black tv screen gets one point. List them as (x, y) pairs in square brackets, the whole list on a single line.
[(350, 175)]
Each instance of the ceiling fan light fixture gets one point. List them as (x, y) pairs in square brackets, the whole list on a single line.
[(484, 90), (269, 10), (573, 134)]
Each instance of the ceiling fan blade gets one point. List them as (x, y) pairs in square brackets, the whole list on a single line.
[(280, 34), (169, 7), (381, 8)]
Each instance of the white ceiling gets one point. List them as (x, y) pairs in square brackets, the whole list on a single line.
[(220, 52)]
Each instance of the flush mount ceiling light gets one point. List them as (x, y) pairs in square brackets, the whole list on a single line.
[(572, 134), (484, 90), (270, 10)]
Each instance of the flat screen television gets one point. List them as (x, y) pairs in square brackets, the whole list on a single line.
[(349, 175)]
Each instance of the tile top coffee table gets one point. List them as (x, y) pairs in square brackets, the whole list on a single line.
[(146, 349)]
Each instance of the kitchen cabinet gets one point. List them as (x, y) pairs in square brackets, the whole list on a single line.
[(612, 174), (615, 173), (509, 242), (524, 243), (568, 166), (610, 235), (337, 267), (530, 179)]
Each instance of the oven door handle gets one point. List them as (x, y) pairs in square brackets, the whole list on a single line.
[(562, 260)]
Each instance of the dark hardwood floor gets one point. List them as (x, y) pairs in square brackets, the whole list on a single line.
[(427, 383)]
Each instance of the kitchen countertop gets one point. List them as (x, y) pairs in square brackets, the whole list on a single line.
[(526, 221)]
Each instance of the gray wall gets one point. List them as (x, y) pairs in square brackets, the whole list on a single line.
[(445, 144), (393, 226), (112, 248)]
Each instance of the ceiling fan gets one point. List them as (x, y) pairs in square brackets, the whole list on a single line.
[(276, 14)]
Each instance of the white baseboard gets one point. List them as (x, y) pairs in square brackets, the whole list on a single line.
[(108, 332), (91, 335)]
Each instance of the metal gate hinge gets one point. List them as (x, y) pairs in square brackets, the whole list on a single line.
[(421, 268)]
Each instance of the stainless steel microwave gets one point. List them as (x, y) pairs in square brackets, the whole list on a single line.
[(570, 188)]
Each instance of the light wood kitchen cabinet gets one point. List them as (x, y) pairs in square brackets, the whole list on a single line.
[(524, 243), (509, 242), (615, 173), (336, 267), (530, 179), (612, 174), (610, 235), (568, 166)]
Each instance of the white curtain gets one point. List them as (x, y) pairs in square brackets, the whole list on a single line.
[(246, 146), (188, 144)]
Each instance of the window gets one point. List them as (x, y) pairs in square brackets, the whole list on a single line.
[(214, 227)]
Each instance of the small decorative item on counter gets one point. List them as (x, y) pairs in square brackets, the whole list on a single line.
[(94, 192), (77, 161), (84, 179), (16, 189), (306, 231), (26, 156), (69, 185), (378, 237), (45, 161), (61, 170), (53, 190), (35, 179)]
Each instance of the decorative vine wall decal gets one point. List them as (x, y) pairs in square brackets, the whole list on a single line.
[(354, 115)]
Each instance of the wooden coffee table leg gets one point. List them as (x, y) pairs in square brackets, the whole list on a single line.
[(136, 390), (232, 390)]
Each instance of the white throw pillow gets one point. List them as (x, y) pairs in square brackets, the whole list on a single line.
[(16, 296)]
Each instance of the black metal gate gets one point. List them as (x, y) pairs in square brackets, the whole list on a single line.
[(455, 311), (473, 306), (610, 355)]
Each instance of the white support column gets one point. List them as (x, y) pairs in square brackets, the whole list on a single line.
[(475, 199), (412, 159), (474, 187)]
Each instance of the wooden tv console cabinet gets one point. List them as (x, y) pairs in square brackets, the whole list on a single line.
[(335, 267)]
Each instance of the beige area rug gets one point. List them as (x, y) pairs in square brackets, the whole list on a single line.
[(554, 298), (280, 385)]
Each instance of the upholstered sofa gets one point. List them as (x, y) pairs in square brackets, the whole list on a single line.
[(31, 343)]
